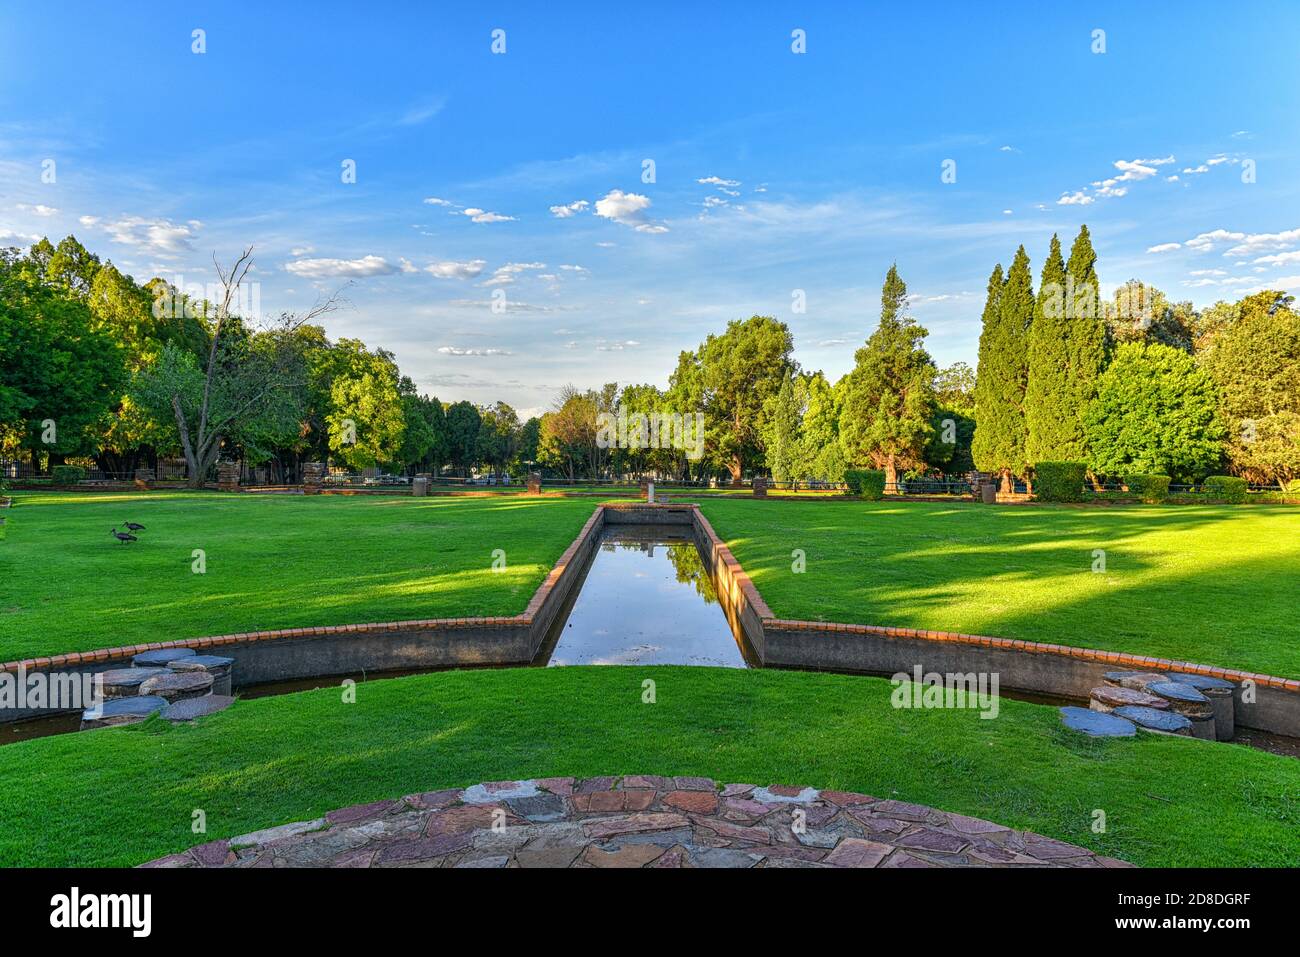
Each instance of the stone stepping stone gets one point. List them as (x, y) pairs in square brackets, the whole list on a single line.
[(1098, 724), (125, 682), (1220, 692), (1132, 679), (122, 711), (1190, 703), (187, 709), (160, 658), (1107, 698), (175, 685), (1149, 719), (215, 665), (1202, 683)]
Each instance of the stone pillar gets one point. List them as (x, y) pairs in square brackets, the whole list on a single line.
[(420, 484), (313, 474), (534, 483), (228, 476), (760, 487), (144, 478)]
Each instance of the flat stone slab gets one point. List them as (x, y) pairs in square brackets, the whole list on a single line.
[(160, 658), (1184, 699), (1099, 724), (1117, 697), (123, 711), (212, 663), (1170, 722), (120, 682), (516, 824), (175, 685), (187, 709), (1133, 679), (1206, 684)]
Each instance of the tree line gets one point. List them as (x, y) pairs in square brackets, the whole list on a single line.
[(1135, 385)]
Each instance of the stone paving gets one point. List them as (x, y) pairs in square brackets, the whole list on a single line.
[(638, 821)]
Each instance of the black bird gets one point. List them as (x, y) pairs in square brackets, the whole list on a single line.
[(132, 526), (124, 537)]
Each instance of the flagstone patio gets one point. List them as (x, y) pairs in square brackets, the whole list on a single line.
[(638, 821)]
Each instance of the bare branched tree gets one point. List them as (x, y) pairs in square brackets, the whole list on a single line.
[(236, 390)]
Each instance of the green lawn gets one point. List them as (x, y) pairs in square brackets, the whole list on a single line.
[(123, 796), (273, 561), (1211, 584)]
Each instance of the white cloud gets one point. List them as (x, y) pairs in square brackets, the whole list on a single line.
[(1079, 198), (9, 236), (1205, 241), (1207, 272), (349, 268), (1257, 242), (718, 181), (301, 250), (456, 351), (628, 209), (1196, 170), (456, 270), (435, 201), (158, 237), (1164, 247), (38, 209), (1172, 179), (505, 275), (483, 216), (564, 212), (1280, 259)]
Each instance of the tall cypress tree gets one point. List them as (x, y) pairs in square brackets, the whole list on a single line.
[(999, 442), (889, 395), (1067, 354), (1048, 393)]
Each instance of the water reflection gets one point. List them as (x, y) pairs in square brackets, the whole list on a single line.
[(645, 599)]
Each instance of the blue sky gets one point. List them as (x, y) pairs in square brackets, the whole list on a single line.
[(774, 171)]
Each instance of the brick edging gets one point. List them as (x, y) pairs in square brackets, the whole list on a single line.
[(1036, 647)]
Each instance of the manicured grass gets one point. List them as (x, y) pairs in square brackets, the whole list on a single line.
[(1210, 584), (273, 561), (123, 796)]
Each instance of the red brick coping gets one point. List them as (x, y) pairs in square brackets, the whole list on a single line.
[(735, 573)]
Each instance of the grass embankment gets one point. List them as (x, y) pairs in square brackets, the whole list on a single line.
[(1209, 584), (124, 796), (272, 561)]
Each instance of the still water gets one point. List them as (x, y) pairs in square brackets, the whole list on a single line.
[(646, 599)]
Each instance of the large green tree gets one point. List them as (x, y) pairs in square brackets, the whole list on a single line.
[(1253, 354), (1156, 413), (1067, 353), (739, 371), (889, 396), (60, 374), (998, 445)]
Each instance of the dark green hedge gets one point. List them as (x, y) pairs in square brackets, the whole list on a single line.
[(67, 474), (1150, 488), (1059, 481), (866, 483), (1226, 488)]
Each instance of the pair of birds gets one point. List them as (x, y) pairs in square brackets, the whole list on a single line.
[(126, 536)]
